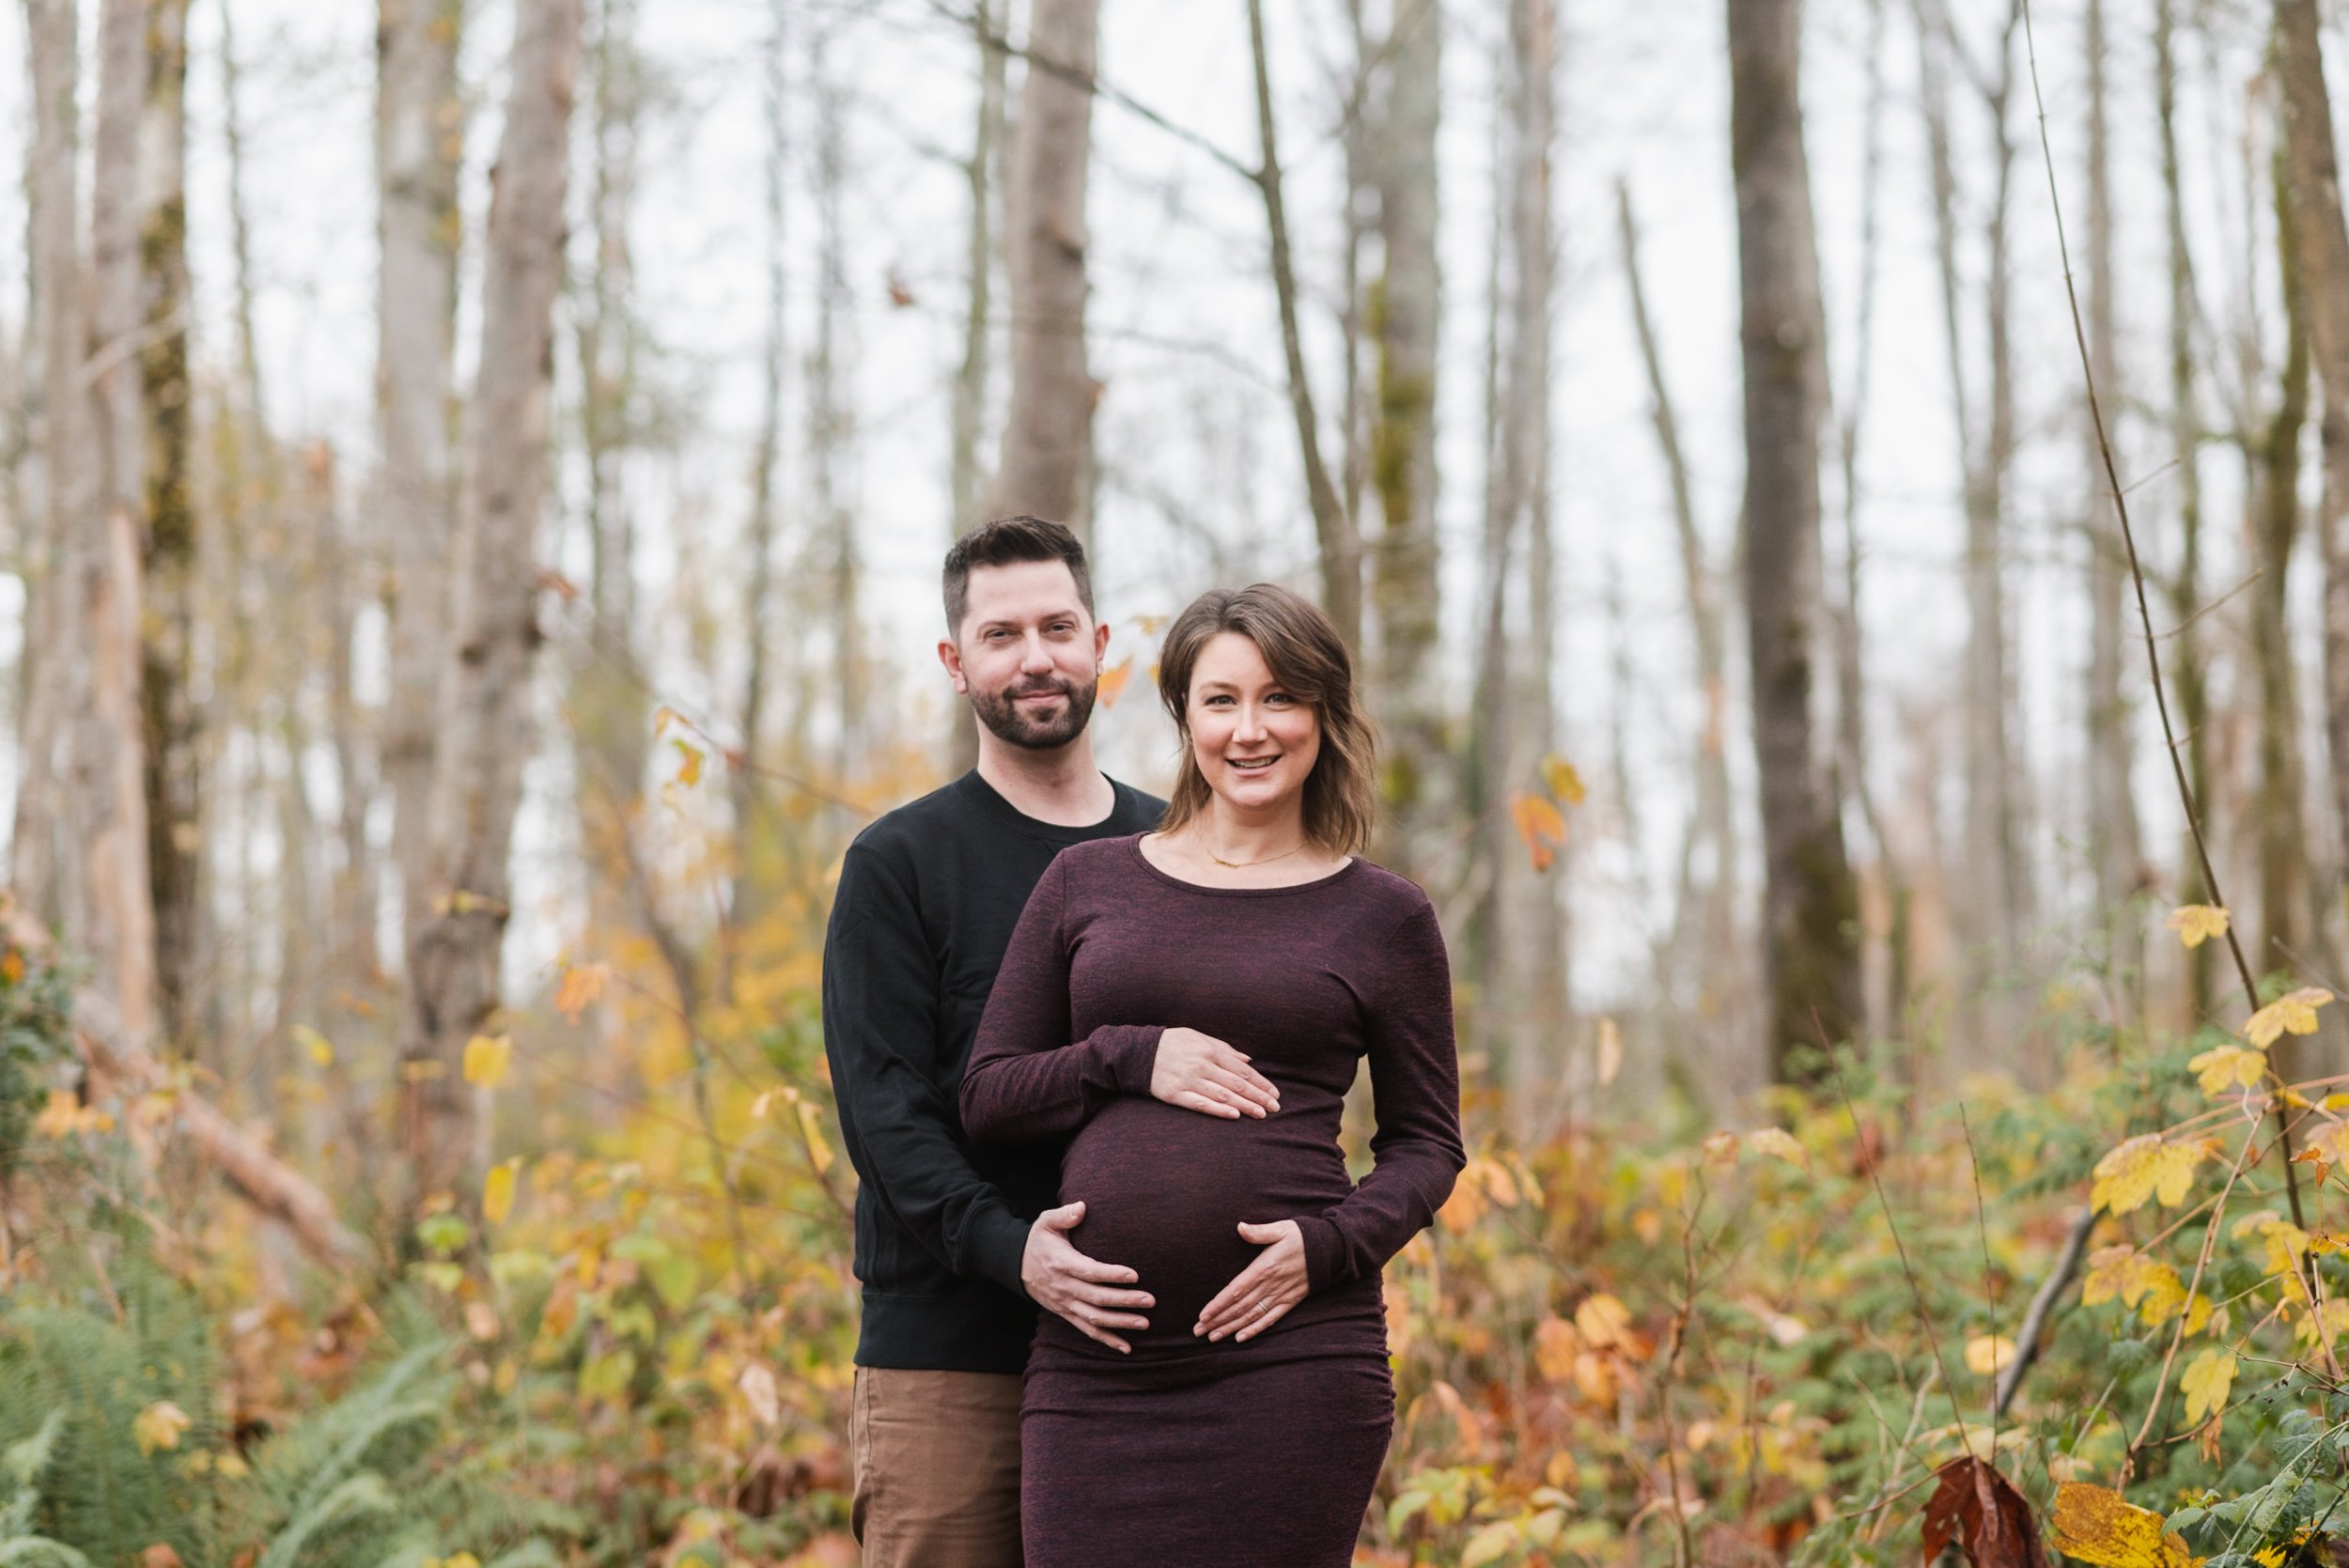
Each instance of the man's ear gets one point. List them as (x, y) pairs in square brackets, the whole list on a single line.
[(951, 657), (1101, 642)]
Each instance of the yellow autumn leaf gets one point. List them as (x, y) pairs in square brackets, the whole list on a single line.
[(497, 1190), (159, 1426), (1556, 1343), (2205, 1383), (582, 986), (1986, 1354), (320, 1050), (2292, 1014), (1779, 1144), (1490, 1544), (2100, 1526), (487, 1057), (812, 1128), (2225, 1068), (1602, 1320), (2197, 923), (1113, 682), (689, 768), (1542, 826), (2141, 1169), (1565, 783)]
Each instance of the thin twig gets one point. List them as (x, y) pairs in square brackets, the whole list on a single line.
[(2051, 1289)]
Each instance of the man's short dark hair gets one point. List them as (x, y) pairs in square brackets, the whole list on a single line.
[(1006, 542)]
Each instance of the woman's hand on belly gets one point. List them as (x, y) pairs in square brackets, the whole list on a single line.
[(1261, 1293), (1201, 1073)]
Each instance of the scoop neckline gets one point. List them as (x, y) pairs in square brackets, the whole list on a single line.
[(1172, 880)]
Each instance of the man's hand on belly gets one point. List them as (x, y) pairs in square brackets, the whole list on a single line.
[(1087, 1294), (1201, 1073), (1264, 1292)]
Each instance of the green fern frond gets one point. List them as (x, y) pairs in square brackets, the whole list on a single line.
[(357, 1499), (39, 1551)]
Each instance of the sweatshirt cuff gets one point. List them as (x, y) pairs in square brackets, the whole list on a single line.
[(1325, 1253), (1131, 1053), (1002, 1245)]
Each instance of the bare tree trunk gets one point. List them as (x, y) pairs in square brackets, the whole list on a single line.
[(1046, 469), (36, 871), (1406, 315), (485, 681), (419, 138), (1341, 544), (975, 378), (741, 892), (1705, 901), (2275, 524), (1485, 760), (831, 418), (1811, 907), (2187, 679), (169, 541), (104, 802), (2324, 247), (1539, 981), (2113, 847)]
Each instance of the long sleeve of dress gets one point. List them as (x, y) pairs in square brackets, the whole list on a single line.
[(879, 1015), (1415, 1093), (1025, 1080)]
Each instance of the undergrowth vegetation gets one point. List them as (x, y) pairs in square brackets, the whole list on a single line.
[(1623, 1344)]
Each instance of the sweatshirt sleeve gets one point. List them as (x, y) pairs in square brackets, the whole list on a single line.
[(1025, 1081), (1415, 1095), (897, 1121)]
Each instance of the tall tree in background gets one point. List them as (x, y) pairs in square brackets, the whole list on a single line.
[(2189, 678), (1811, 907), (110, 912), (2323, 235), (168, 555), (2273, 520), (833, 556), (1406, 316), (975, 377), (37, 864), (2114, 851), (1046, 469), (485, 681), (419, 131)]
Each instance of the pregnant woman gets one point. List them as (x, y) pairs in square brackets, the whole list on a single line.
[(1245, 1419)]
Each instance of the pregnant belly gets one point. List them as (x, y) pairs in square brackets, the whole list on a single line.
[(1165, 1190)]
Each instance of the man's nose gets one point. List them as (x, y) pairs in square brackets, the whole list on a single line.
[(1035, 655)]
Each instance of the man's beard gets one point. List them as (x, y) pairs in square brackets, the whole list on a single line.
[(1003, 714)]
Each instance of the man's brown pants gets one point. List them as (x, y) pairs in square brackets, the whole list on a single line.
[(937, 1458)]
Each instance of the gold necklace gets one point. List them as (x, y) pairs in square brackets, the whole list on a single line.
[(1241, 865)]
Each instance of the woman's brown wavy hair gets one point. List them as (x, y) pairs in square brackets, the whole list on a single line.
[(1309, 659)]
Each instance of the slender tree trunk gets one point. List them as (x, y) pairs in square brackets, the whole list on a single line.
[(104, 802), (1047, 464), (1341, 544), (1706, 900), (1811, 907), (1406, 315), (169, 541), (2275, 524), (2324, 247), (419, 139), (974, 379), (833, 418), (1539, 982), (1485, 762), (37, 870), (742, 895), (485, 680), (2188, 677), (2114, 848)]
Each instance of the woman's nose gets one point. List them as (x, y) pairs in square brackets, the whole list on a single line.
[(1250, 726)]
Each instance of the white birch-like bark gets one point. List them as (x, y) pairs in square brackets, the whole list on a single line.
[(486, 734)]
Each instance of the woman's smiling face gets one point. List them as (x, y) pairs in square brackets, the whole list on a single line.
[(1255, 742)]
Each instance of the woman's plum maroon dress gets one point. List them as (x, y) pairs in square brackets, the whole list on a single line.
[(1230, 1453)]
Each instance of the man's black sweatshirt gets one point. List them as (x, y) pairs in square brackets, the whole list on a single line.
[(928, 899)]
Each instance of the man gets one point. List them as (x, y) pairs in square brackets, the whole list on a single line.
[(952, 1251)]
